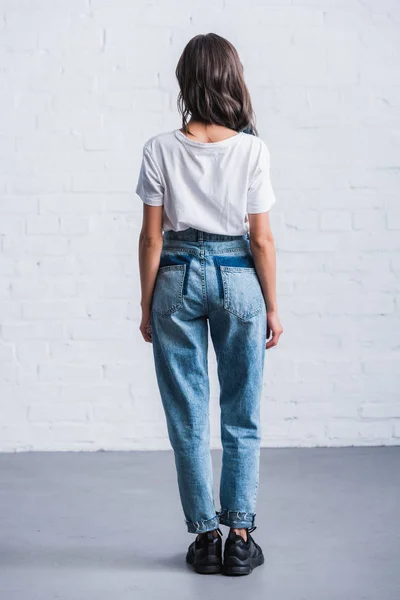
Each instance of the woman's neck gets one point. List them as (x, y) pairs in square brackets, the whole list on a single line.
[(203, 132)]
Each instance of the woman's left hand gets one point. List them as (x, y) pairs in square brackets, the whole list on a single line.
[(145, 325)]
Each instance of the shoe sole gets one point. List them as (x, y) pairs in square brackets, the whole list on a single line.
[(207, 569), (243, 568)]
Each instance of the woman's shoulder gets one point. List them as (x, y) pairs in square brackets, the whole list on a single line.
[(160, 140), (258, 148), (255, 140)]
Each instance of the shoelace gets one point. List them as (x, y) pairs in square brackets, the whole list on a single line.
[(254, 542)]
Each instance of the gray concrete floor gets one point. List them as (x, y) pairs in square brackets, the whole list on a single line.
[(108, 525)]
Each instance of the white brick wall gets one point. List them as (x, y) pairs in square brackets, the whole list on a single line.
[(83, 85)]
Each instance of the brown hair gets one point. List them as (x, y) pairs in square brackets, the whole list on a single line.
[(212, 86)]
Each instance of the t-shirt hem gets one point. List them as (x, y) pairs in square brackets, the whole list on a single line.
[(152, 202)]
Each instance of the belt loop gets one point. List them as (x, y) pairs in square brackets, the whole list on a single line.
[(199, 236)]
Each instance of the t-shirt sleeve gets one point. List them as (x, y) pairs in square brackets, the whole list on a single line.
[(260, 195), (150, 187)]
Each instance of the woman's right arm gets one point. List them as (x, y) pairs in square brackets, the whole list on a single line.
[(262, 247)]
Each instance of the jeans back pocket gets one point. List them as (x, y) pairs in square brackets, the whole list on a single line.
[(242, 293), (168, 290)]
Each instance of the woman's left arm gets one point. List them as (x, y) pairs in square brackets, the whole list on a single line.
[(150, 246)]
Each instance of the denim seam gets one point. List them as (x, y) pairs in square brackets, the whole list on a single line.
[(241, 517), (204, 271), (196, 251), (194, 234), (199, 525), (232, 269), (219, 277), (181, 249), (186, 278), (226, 251)]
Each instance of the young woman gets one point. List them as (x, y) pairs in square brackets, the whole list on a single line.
[(207, 261)]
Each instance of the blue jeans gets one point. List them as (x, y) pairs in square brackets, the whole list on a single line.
[(210, 280)]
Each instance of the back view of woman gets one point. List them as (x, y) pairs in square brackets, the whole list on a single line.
[(207, 263)]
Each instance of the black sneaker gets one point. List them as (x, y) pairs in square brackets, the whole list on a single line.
[(241, 557), (205, 555)]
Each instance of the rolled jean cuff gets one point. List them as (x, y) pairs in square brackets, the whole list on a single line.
[(236, 519), (202, 525)]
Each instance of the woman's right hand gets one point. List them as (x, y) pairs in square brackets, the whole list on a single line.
[(275, 328)]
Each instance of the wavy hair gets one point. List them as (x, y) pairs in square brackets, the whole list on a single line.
[(212, 86)]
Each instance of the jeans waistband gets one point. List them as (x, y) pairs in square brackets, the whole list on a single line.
[(197, 235)]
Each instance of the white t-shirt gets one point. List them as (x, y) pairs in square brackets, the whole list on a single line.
[(208, 186)]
